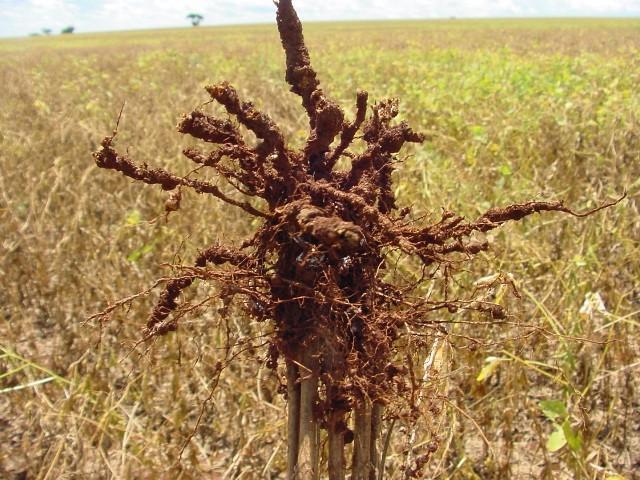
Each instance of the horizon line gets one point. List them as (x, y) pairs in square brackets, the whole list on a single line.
[(326, 21)]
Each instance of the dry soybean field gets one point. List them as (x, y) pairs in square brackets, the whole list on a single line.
[(512, 110)]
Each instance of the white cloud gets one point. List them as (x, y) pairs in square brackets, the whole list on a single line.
[(33, 15), (601, 7), (20, 17)]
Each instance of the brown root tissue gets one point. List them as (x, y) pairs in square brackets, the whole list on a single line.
[(316, 267)]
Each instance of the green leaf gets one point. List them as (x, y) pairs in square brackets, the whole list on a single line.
[(479, 133), (556, 440), (505, 170), (491, 365), (133, 217), (574, 439), (41, 106), (579, 261), (553, 409), (138, 253)]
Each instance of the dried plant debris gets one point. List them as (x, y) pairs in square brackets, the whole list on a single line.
[(317, 266)]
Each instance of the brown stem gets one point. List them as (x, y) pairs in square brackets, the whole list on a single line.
[(362, 442), (336, 446), (309, 431), (376, 420), (293, 419), (385, 450)]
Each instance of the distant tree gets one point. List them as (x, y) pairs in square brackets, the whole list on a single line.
[(67, 30), (46, 31), (195, 18)]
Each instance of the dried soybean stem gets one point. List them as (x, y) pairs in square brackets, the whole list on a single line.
[(335, 433), (385, 450), (427, 367), (293, 419), (309, 453), (362, 441), (376, 421)]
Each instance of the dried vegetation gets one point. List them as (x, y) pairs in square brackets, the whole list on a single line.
[(334, 282)]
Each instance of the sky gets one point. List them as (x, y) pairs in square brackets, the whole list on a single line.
[(22, 17)]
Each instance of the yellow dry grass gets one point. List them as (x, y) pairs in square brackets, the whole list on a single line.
[(514, 110)]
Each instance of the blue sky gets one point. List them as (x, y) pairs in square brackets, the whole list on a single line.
[(21, 17)]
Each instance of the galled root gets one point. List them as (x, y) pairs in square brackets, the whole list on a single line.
[(317, 266)]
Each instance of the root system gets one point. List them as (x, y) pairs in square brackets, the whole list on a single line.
[(319, 266)]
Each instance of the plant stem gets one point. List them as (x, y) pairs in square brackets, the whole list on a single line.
[(309, 432), (362, 442), (376, 420), (293, 419), (336, 446), (385, 450)]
